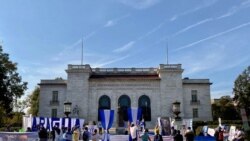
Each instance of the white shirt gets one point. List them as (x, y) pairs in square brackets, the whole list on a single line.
[(133, 131)]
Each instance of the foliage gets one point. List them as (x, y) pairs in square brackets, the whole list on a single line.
[(11, 85), (225, 109), (242, 90), (33, 102)]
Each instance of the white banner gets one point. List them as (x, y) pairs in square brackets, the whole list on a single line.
[(48, 123)]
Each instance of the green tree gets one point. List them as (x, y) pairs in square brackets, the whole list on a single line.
[(11, 85), (242, 90), (33, 102), (225, 109)]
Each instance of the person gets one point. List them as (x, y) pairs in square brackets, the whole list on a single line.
[(43, 134), (219, 134), (189, 134), (28, 129), (239, 135), (158, 137), (173, 131), (95, 136), (133, 132), (178, 136), (85, 134), (67, 136), (57, 134), (145, 136), (142, 124), (76, 134)]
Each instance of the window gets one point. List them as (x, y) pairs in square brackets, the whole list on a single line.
[(104, 103), (195, 113), (144, 104), (194, 96), (55, 96), (53, 112)]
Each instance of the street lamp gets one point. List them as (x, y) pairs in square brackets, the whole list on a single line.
[(176, 109), (67, 108)]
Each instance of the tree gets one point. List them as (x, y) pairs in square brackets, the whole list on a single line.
[(225, 109), (11, 85), (242, 90), (33, 102)]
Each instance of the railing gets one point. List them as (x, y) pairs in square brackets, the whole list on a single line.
[(124, 70), (195, 102), (70, 67), (170, 66), (54, 102)]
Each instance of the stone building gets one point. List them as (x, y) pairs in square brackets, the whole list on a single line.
[(152, 89)]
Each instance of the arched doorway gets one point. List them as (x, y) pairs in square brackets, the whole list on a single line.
[(124, 103), (104, 103), (144, 104)]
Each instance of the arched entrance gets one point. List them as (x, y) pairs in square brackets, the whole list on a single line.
[(123, 103), (104, 103), (144, 104)]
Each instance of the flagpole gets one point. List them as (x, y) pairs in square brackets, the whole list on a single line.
[(82, 53)]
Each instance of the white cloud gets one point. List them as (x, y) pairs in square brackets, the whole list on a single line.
[(125, 47), (213, 36), (139, 4), (109, 23), (192, 26), (203, 5), (109, 61), (113, 22), (235, 9)]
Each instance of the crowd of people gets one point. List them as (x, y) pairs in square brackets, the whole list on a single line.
[(67, 134), (136, 132)]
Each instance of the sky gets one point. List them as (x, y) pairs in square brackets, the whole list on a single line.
[(210, 38)]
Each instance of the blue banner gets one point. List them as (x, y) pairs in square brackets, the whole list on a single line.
[(107, 117)]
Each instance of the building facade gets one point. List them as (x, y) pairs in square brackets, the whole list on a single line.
[(154, 90)]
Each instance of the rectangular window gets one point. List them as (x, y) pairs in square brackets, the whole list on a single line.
[(53, 112), (194, 96), (55, 96), (195, 113)]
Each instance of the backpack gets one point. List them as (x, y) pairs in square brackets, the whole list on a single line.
[(85, 135), (221, 137)]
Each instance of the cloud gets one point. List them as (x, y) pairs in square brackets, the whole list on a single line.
[(109, 61), (109, 23), (140, 4), (203, 5), (213, 36), (125, 47), (235, 9), (192, 26), (113, 22)]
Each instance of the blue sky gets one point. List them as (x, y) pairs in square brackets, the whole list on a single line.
[(210, 38)]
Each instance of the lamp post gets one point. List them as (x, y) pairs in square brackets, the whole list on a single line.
[(67, 108), (176, 110)]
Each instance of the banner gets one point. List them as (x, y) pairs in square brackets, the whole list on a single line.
[(231, 133), (48, 123), (107, 118), (134, 114)]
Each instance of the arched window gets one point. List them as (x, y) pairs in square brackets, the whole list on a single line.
[(144, 104), (124, 103), (104, 103)]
